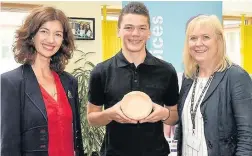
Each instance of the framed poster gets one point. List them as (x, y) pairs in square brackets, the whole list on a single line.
[(83, 28)]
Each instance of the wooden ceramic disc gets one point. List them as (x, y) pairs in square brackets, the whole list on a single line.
[(136, 105)]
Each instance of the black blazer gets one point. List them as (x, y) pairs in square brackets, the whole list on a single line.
[(227, 113), (24, 130)]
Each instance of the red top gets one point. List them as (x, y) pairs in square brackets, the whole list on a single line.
[(60, 127)]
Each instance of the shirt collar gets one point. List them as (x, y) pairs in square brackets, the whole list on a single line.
[(122, 61)]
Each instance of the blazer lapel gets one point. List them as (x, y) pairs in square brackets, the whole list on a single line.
[(32, 89), (186, 85), (67, 85), (218, 76)]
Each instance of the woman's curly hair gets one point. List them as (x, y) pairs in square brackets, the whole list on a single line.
[(23, 48)]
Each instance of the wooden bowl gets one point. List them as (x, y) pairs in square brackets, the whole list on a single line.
[(136, 105)]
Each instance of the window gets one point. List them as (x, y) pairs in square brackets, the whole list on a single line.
[(232, 36), (12, 21)]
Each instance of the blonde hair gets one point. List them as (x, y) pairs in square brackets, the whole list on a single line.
[(190, 66)]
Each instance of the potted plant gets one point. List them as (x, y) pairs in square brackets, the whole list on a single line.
[(92, 136)]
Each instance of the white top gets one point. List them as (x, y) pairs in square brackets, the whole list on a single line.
[(199, 123), (82, 33)]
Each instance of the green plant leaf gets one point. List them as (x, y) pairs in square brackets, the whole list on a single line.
[(92, 136)]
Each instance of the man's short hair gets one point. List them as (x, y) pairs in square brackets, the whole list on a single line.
[(134, 8)]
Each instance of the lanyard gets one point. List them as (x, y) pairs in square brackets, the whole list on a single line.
[(193, 112)]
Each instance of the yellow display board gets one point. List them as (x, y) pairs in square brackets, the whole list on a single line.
[(246, 46), (111, 43)]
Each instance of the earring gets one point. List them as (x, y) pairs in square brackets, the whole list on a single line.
[(32, 40)]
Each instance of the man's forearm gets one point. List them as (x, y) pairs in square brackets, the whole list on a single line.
[(98, 118)]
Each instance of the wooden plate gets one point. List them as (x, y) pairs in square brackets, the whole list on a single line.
[(136, 105)]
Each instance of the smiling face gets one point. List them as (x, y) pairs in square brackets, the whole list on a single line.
[(48, 39), (203, 44), (134, 31)]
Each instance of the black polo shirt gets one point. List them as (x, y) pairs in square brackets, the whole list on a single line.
[(111, 80)]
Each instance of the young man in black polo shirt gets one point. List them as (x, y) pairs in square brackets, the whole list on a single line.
[(133, 68)]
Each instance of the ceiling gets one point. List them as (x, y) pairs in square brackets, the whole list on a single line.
[(230, 7), (236, 8)]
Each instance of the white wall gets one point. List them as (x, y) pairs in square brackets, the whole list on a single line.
[(82, 9)]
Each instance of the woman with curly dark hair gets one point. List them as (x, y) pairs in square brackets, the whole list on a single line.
[(39, 101)]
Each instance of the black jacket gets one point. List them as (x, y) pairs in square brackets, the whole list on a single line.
[(227, 113), (24, 130)]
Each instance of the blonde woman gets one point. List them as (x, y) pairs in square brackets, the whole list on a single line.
[(216, 96)]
